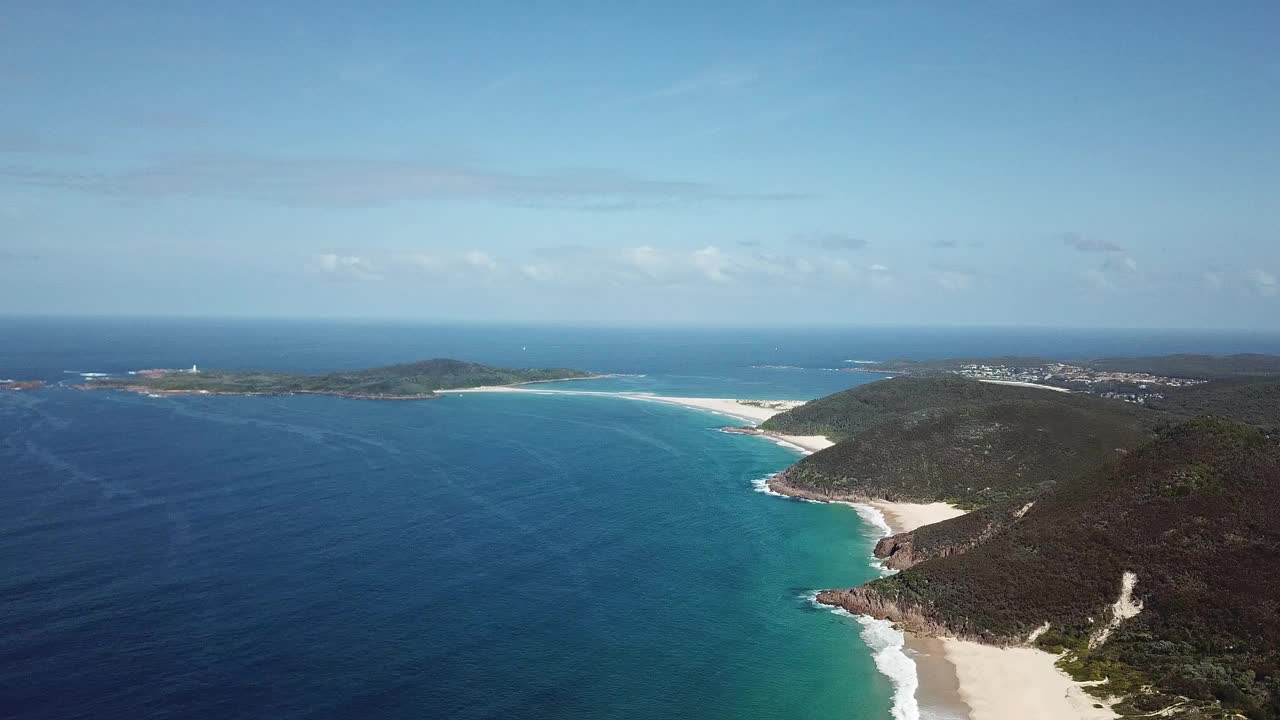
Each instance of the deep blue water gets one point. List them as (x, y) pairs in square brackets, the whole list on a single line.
[(479, 556)]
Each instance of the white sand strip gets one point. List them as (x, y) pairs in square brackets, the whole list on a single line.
[(1017, 684), (811, 443), (905, 517), (752, 410), (1017, 383), (749, 411)]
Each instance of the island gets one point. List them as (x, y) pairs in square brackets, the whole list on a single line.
[(409, 381), (22, 384), (1134, 545)]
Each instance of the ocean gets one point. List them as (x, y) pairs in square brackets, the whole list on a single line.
[(473, 556)]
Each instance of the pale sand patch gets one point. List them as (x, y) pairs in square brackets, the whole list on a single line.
[(905, 517), (812, 443), (750, 411), (754, 410), (1017, 684), (1017, 383), (938, 693)]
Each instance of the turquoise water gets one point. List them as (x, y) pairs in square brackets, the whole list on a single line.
[(474, 556)]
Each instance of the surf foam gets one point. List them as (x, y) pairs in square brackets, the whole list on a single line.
[(887, 644), (761, 485)]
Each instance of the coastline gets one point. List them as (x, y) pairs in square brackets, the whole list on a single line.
[(156, 392), (752, 412), (947, 678), (164, 392), (1014, 683), (917, 668), (965, 679)]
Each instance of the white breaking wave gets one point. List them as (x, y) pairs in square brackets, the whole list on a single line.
[(887, 644), (873, 516), (761, 485)]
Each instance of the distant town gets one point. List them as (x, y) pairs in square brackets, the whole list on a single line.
[(1129, 386)]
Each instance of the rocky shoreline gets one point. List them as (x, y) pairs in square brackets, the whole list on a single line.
[(22, 384), (896, 551), (145, 390), (780, 484)]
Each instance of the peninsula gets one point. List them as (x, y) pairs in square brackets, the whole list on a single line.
[(21, 384), (1132, 379), (409, 381), (1118, 556)]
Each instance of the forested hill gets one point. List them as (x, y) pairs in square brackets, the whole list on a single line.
[(1256, 401), (1192, 519), (406, 381), (846, 413), (973, 455), (1204, 367), (1184, 365), (955, 440), (1076, 499)]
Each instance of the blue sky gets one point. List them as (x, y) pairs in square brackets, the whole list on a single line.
[(1015, 162)]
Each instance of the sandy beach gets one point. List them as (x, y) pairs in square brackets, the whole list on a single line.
[(957, 679), (938, 691), (1018, 683), (905, 517), (752, 412), (1017, 383), (963, 679)]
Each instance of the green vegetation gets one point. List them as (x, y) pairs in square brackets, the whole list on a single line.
[(846, 413), (410, 380), (1195, 515), (1203, 367), (946, 365), (956, 440), (1253, 401), (1068, 492)]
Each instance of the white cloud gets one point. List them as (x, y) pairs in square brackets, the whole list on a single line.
[(344, 266), (638, 266), (481, 261), (1097, 279), (1212, 280), (426, 263), (954, 280), (366, 182), (539, 272), (1121, 263), (830, 241), (1265, 283), (649, 261), (711, 262), (1089, 245)]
